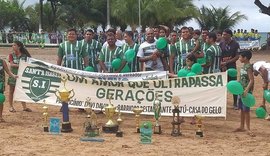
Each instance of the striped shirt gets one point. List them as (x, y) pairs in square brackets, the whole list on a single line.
[(134, 65), (107, 56), (72, 54), (213, 57), (93, 49), (182, 49)]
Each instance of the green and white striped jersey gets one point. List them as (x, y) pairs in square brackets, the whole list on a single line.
[(72, 54), (107, 56), (213, 57), (182, 49), (135, 64), (93, 49)]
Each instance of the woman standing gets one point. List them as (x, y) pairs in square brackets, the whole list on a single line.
[(19, 53)]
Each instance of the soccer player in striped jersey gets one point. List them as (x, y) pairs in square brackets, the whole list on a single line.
[(203, 46), (212, 55), (108, 54), (70, 52), (130, 44), (150, 58), (183, 47), (92, 47)]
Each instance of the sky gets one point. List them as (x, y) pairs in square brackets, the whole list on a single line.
[(256, 20)]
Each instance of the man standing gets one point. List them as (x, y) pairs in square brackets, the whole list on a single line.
[(263, 68), (92, 47), (150, 58), (212, 55), (70, 53), (229, 56), (130, 44), (109, 54)]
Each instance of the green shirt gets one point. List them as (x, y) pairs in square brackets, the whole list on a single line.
[(135, 64), (244, 79), (182, 49), (212, 57), (203, 47), (107, 56), (93, 49), (72, 54)]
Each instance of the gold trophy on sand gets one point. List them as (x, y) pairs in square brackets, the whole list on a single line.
[(45, 118), (111, 126), (137, 112), (64, 96), (119, 121), (199, 132)]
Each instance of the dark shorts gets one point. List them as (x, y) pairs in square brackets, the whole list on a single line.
[(241, 106)]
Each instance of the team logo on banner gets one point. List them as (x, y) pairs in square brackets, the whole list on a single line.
[(39, 82)]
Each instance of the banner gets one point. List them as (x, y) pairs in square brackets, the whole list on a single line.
[(201, 95), (132, 76), (249, 44)]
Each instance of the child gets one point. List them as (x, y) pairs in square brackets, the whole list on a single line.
[(263, 68), (247, 81), (19, 52), (3, 68)]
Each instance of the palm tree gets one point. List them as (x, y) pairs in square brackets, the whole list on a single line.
[(218, 18)]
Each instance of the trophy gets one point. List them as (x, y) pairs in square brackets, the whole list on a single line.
[(176, 120), (110, 126), (137, 112), (90, 125), (157, 113), (64, 96), (119, 121), (45, 119), (199, 132)]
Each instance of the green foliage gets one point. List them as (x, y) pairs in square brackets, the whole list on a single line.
[(218, 18)]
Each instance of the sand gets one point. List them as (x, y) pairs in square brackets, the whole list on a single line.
[(22, 133)]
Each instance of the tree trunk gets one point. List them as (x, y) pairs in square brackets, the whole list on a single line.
[(264, 9)]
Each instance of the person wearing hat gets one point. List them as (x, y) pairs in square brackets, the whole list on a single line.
[(263, 68), (229, 56)]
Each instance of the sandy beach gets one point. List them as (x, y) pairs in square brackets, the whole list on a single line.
[(22, 133)]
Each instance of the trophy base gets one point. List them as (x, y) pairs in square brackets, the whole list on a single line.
[(138, 130), (66, 127), (157, 129), (119, 134), (176, 133), (110, 129), (46, 129), (199, 134)]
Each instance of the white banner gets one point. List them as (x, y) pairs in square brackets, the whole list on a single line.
[(249, 44), (202, 95), (132, 76)]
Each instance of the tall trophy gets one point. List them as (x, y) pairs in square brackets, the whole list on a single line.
[(199, 132), (119, 121), (176, 117), (45, 119), (137, 112), (157, 113), (111, 126), (64, 96)]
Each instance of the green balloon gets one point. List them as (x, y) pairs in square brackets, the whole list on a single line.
[(182, 73), (116, 63), (2, 98), (201, 61), (266, 95), (89, 68), (196, 68), (126, 69), (232, 72), (248, 100), (161, 43), (235, 87), (260, 112), (191, 74), (130, 54)]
